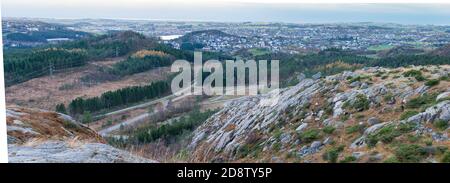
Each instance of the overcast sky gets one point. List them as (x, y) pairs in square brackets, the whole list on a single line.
[(230, 10)]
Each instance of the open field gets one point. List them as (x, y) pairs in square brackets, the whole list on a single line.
[(380, 47), (46, 92)]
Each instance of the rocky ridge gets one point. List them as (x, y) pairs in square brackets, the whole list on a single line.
[(370, 115)]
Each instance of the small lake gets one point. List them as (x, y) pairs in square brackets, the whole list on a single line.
[(169, 37)]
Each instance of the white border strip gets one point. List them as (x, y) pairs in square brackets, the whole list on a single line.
[(3, 138), (329, 1)]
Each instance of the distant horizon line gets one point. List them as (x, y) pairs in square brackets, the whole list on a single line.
[(221, 21)]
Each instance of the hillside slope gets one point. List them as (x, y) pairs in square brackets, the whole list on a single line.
[(42, 136), (370, 115)]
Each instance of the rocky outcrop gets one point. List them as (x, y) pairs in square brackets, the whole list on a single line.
[(440, 111), (70, 152), (320, 115), (248, 115), (48, 137)]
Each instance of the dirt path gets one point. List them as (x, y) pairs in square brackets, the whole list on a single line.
[(139, 106), (129, 122), (210, 104)]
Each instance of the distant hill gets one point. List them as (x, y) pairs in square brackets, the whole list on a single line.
[(22, 33), (401, 50), (442, 51), (113, 45), (24, 64), (43, 36), (189, 37), (196, 40)]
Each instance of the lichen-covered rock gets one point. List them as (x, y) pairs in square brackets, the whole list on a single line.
[(62, 151), (440, 111), (373, 120), (443, 96), (301, 127)]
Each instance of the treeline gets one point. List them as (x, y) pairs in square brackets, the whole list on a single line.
[(332, 61), (24, 65), (171, 130), (405, 60), (134, 65), (119, 97), (42, 36), (24, 37), (189, 54), (313, 63)]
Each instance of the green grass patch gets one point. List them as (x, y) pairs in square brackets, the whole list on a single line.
[(309, 135), (328, 129), (258, 51), (361, 103), (392, 159), (416, 74), (348, 159), (441, 124), (421, 101), (354, 129), (332, 154), (446, 157), (412, 73), (380, 47), (388, 133), (432, 82), (408, 114), (410, 153)]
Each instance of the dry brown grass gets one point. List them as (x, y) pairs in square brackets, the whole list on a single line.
[(143, 53), (45, 92), (48, 125)]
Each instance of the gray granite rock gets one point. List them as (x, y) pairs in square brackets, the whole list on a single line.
[(62, 152)]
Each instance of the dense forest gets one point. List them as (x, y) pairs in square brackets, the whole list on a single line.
[(42, 36), (117, 98), (405, 60), (112, 45), (171, 130), (134, 65), (22, 65), (332, 61)]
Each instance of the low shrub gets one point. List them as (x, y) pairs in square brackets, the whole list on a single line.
[(348, 159), (388, 133), (328, 129), (412, 73), (432, 82), (361, 103), (446, 157), (309, 135), (441, 124), (410, 153), (392, 159), (421, 101), (332, 154), (408, 114)]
